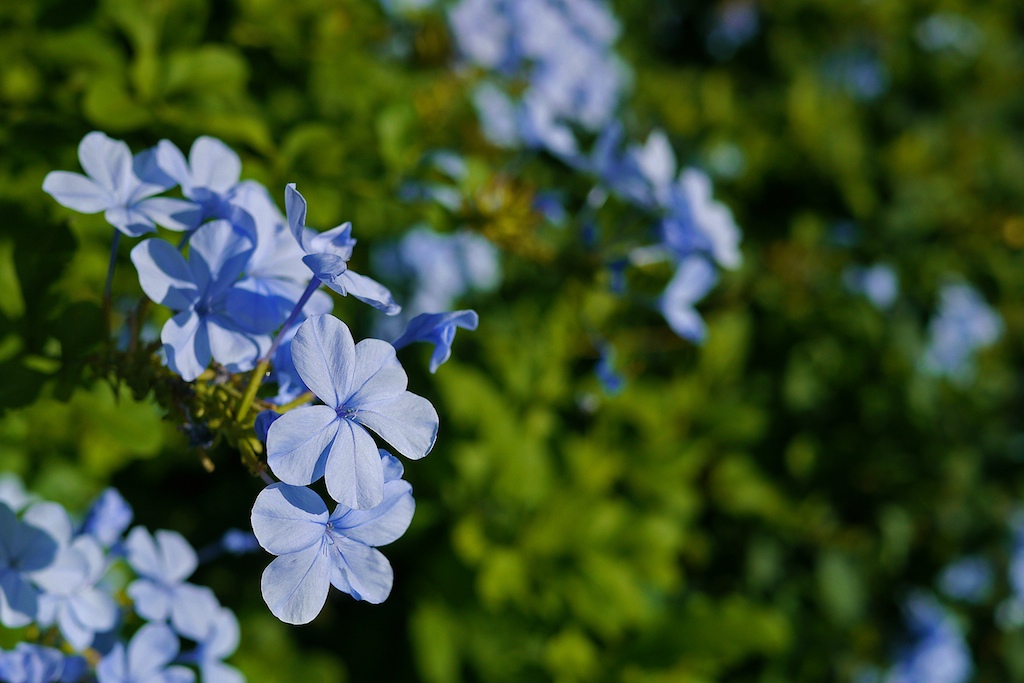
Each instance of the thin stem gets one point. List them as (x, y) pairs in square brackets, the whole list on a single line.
[(314, 284), (250, 391), (115, 242), (266, 477)]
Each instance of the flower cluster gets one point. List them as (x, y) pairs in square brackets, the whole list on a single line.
[(243, 286), (963, 325), (71, 581)]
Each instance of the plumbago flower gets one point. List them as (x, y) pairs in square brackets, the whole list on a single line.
[(317, 550), (327, 255), (203, 290), (693, 279), (219, 642), (362, 386), (163, 563), (27, 547), (113, 185)]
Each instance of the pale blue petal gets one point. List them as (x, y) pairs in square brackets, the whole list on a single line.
[(78, 635), (408, 422), (393, 468), (193, 609), (54, 521), (298, 442), (107, 161), (177, 558), (367, 290), (295, 586), (75, 191), (164, 275), (174, 674), (362, 571), (152, 600), (218, 255), (235, 349), (128, 220), (295, 208), (693, 279), (146, 165), (108, 517), (287, 519), (214, 164), (187, 344), (384, 523), (152, 648), (94, 609), (174, 214), (18, 600), (114, 667), (324, 354), (337, 242), (439, 329), (327, 268), (142, 553), (354, 474), (378, 375), (172, 162), (68, 572), (222, 640), (262, 304)]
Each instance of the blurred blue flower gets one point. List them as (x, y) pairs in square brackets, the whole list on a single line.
[(238, 542), (946, 31), (216, 645), (963, 324), (610, 378), (327, 255), (28, 547), (145, 660), (437, 329), (203, 291), (112, 186), (163, 561), (879, 283), (13, 493), (71, 599), (937, 651), (969, 579), (30, 663), (736, 23), (362, 386), (316, 550)]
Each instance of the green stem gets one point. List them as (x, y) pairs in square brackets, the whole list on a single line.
[(250, 391)]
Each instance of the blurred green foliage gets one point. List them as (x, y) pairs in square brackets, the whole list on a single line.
[(752, 510)]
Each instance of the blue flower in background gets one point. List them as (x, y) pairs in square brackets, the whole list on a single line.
[(363, 387), (610, 379), (963, 324), (694, 278), (163, 561), (27, 547), (937, 651), (113, 186), (145, 660), (879, 283), (316, 550), (30, 663), (203, 291), (437, 329), (327, 255), (71, 599), (108, 518), (13, 493), (969, 579)]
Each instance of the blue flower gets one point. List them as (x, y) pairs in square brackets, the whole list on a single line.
[(327, 255), (209, 178), (963, 324), (71, 599), (693, 279), (145, 660), (108, 518), (202, 290), (316, 550), (27, 547), (13, 493), (29, 663), (362, 386), (438, 329), (610, 379), (113, 186), (238, 542), (160, 592)]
